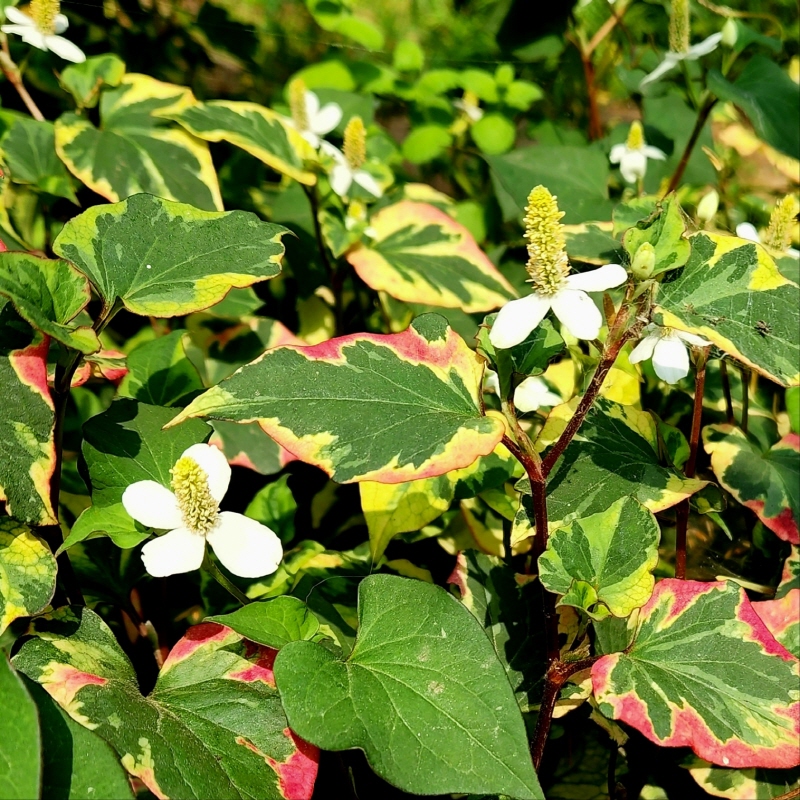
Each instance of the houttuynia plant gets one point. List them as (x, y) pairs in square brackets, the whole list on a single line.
[(399, 398)]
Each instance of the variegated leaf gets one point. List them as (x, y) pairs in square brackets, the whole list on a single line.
[(366, 406), (731, 293), (213, 725), (781, 615), (164, 259), (743, 784), (703, 671), (419, 254), (134, 150)]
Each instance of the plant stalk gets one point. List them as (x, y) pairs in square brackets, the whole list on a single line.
[(745, 373), (726, 391), (213, 570), (702, 116), (14, 77)]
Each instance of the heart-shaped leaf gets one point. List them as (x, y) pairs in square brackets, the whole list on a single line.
[(422, 693), (20, 745), (273, 623)]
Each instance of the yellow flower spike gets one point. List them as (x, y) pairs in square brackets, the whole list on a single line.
[(355, 143), (44, 13), (547, 264), (779, 232), (297, 103), (190, 485), (635, 136), (679, 26)]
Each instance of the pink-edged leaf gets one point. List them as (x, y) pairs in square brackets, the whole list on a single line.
[(704, 672), (213, 726), (781, 615), (421, 255)]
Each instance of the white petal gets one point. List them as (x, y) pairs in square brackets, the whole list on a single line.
[(704, 47), (793, 252), (152, 504), (670, 60), (617, 153), (177, 551), (61, 23), (213, 462), (312, 105), (654, 152), (633, 166), (329, 116), (517, 319), (245, 547), (644, 349), (671, 359), (341, 177), (366, 181), (15, 15), (598, 280), (64, 48), (334, 152), (746, 230), (578, 313), (533, 393), (491, 381), (311, 138), (32, 37), (18, 30), (692, 338)]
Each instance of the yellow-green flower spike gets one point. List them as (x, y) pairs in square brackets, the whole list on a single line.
[(190, 485), (547, 254), (779, 232), (44, 13), (297, 103), (355, 143), (635, 136), (679, 26)]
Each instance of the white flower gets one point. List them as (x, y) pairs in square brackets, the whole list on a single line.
[(574, 308), (692, 54), (746, 230), (318, 121), (469, 105), (668, 349), (200, 479), (343, 175), (533, 393), (632, 155), (26, 27)]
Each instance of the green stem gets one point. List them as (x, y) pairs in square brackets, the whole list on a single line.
[(745, 373), (213, 570)]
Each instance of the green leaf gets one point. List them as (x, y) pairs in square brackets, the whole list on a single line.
[(665, 230), (123, 445), (419, 254), (743, 784), (408, 56), (522, 95), (134, 150), (387, 408), (275, 507), (731, 293), (767, 483), (426, 142), (770, 99), (793, 407), (246, 445), (48, 294), (410, 695), (614, 552), (27, 450), (29, 148), (212, 726), (164, 259), (20, 745), (27, 572), (494, 133), (511, 615), (84, 81), (593, 243), (259, 131), (704, 672), (577, 175), (76, 763), (159, 372), (480, 82), (273, 623)]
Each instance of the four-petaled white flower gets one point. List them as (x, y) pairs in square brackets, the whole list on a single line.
[(632, 155), (574, 308), (318, 121), (668, 349), (191, 512), (343, 174), (672, 59), (533, 393), (746, 230), (26, 27)]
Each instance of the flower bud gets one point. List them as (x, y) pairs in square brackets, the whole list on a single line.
[(730, 33), (644, 262), (707, 207)]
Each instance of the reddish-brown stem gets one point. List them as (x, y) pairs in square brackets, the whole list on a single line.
[(12, 73), (606, 362), (595, 126), (790, 795), (605, 29), (682, 514), (557, 675), (702, 116)]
